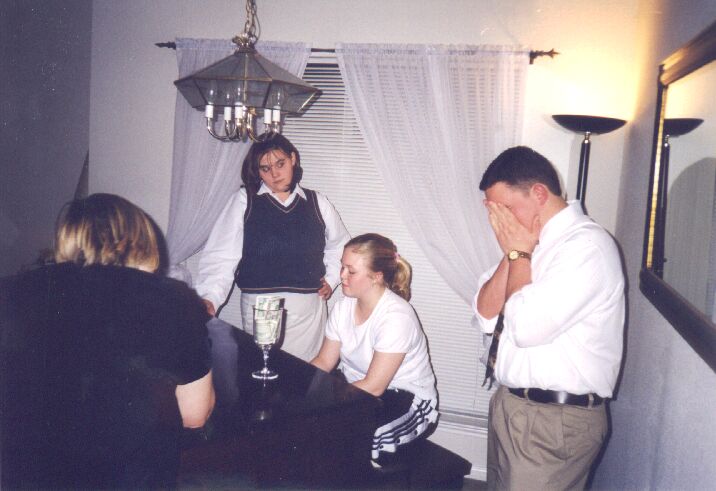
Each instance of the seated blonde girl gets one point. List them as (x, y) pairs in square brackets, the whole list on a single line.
[(375, 335)]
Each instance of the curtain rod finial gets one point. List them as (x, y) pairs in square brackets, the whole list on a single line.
[(536, 54)]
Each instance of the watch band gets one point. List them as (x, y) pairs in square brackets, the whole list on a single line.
[(514, 255)]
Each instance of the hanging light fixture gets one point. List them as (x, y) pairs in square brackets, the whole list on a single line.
[(243, 86)]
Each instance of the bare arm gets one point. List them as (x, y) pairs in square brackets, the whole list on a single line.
[(328, 356), (519, 275), (491, 297), (510, 276), (381, 371), (196, 401)]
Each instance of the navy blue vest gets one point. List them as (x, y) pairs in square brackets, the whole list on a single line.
[(283, 246)]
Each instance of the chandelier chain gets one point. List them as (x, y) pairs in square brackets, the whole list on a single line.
[(252, 27)]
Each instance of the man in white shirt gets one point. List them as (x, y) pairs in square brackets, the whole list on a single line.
[(560, 288)]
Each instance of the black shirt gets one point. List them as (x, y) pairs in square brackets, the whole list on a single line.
[(90, 359)]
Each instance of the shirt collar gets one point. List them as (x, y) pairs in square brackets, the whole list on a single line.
[(296, 191), (560, 222)]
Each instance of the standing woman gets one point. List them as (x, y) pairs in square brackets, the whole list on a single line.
[(377, 338), (275, 237)]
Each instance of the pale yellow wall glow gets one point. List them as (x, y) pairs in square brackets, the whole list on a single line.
[(590, 82)]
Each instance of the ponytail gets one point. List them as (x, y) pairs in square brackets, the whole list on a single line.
[(382, 257), (401, 280)]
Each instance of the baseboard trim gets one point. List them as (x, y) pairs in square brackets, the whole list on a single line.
[(466, 437)]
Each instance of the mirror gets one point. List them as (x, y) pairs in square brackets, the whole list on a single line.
[(679, 265)]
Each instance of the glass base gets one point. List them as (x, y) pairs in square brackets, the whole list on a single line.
[(264, 374)]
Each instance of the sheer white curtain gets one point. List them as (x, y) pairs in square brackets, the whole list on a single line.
[(433, 118), (205, 171)]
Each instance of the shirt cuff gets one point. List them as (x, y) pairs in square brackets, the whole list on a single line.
[(332, 280)]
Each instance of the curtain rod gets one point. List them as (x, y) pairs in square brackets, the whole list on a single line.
[(533, 54)]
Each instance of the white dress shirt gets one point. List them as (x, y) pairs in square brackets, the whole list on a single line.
[(224, 246), (564, 330)]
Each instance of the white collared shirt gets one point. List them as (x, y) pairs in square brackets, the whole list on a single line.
[(224, 247), (564, 330)]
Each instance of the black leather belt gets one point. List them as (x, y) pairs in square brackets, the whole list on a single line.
[(558, 397)]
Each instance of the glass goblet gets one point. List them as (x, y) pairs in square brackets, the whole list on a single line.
[(267, 329)]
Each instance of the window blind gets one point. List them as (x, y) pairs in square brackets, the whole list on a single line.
[(336, 162)]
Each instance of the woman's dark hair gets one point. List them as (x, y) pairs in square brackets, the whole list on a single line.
[(250, 169), (382, 257), (521, 167)]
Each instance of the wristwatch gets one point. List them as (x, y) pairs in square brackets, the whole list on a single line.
[(514, 255)]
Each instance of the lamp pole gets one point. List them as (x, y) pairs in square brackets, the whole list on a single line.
[(586, 125)]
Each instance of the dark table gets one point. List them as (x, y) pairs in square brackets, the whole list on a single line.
[(307, 427)]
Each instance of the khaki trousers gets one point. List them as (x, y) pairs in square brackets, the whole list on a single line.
[(535, 446)]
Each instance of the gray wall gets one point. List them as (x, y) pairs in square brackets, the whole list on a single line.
[(44, 119), (663, 429)]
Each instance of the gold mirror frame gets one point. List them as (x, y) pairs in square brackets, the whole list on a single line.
[(693, 325)]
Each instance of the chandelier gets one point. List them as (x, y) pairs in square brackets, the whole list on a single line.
[(243, 86)]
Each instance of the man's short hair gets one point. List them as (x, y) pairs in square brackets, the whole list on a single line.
[(521, 167)]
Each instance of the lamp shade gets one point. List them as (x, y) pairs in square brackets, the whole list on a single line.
[(593, 124), (680, 126), (246, 78)]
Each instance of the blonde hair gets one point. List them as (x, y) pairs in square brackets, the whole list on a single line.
[(108, 230), (382, 257)]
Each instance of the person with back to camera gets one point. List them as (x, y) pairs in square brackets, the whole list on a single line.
[(375, 334), (555, 303), (275, 237), (102, 359)]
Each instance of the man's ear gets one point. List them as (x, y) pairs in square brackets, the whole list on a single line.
[(540, 192)]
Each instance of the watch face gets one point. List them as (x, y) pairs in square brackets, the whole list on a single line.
[(513, 255)]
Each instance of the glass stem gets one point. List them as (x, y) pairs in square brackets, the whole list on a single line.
[(265, 350)]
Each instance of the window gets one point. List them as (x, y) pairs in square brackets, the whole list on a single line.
[(336, 162)]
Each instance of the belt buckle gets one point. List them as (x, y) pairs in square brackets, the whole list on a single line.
[(562, 397), (526, 394), (590, 404)]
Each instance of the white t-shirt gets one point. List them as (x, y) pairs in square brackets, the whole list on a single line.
[(392, 327)]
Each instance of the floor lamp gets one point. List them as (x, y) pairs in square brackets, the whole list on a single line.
[(673, 127), (586, 125)]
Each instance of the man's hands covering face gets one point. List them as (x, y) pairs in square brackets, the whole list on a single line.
[(510, 233)]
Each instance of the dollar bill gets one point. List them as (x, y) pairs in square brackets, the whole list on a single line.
[(266, 331), (267, 304), (267, 319)]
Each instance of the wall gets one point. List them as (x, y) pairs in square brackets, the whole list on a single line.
[(44, 116), (133, 97), (663, 435)]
